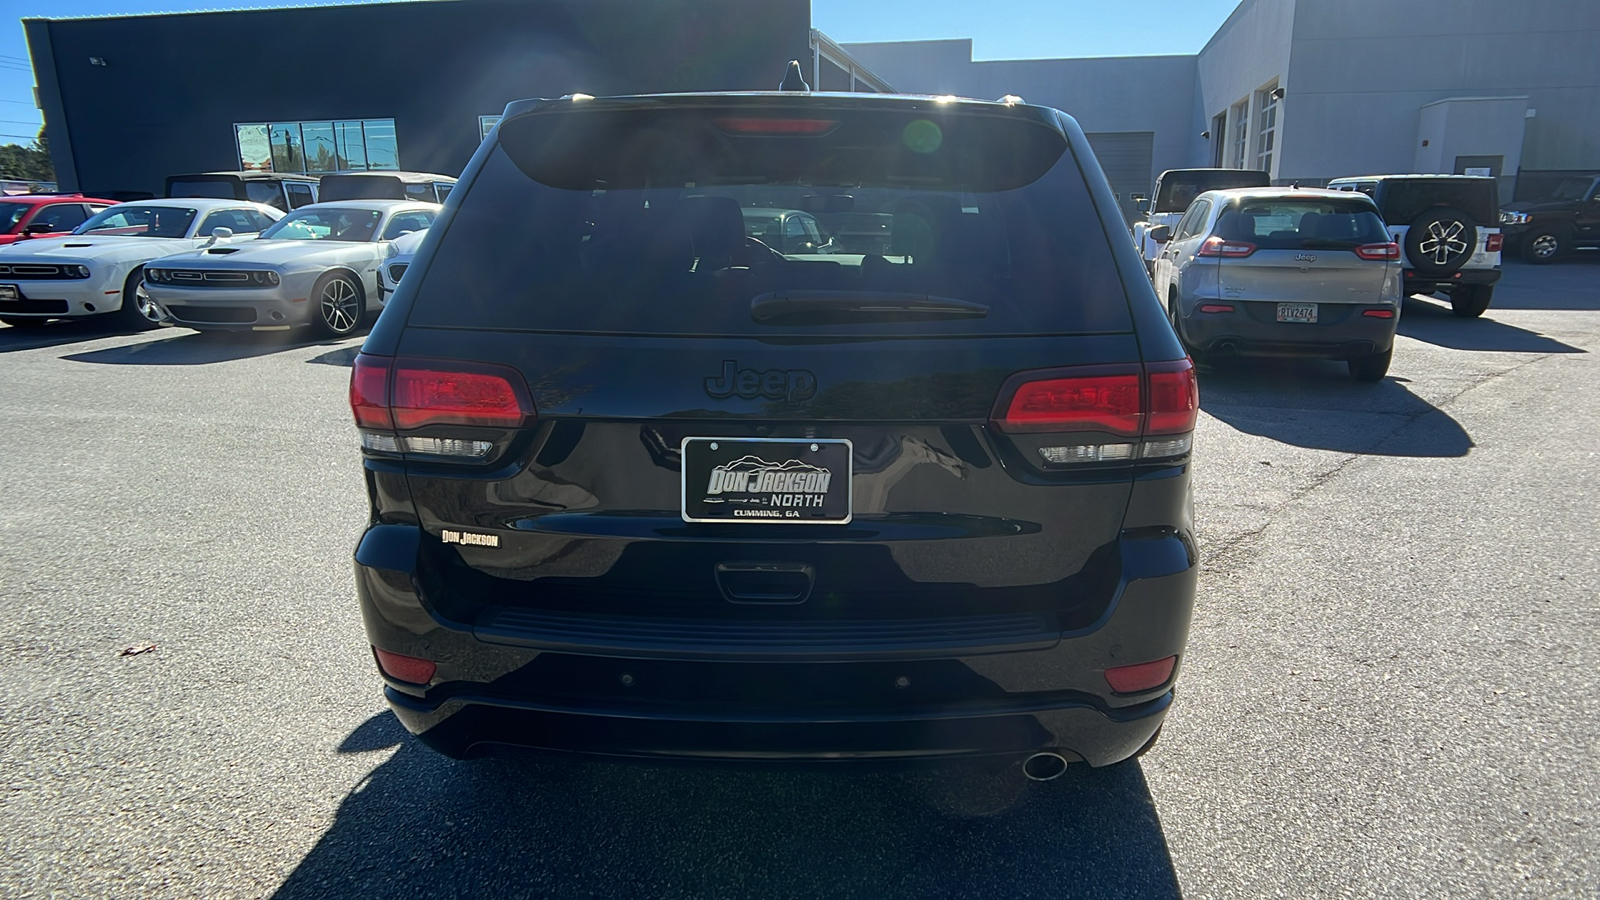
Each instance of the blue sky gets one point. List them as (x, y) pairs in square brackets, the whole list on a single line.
[(1000, 29)]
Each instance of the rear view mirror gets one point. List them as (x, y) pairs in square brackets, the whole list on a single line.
[(1142, 204), (1161, 234), (39, 228), (827, 203), (221, 233)]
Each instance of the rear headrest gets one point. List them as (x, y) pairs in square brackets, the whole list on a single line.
[(923, 227), (715, 226)]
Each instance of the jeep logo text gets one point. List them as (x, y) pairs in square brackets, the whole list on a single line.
[(789, 385)]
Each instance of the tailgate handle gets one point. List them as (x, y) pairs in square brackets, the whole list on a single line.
[(765, 582)]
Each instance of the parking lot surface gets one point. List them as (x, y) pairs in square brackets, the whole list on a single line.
[(1389, 691)]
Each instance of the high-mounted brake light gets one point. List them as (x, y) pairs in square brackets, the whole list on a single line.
[(1493, 243), (774, 127), (1217, 247), (1389, 251)]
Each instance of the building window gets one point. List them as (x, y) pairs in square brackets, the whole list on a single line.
[(329, 146), (1239, 117), (1219, 138), (486, 124), (1267, 126)]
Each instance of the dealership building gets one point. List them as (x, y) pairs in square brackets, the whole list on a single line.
[(1309, 90)]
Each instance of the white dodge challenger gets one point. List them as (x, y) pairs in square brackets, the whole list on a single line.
[(316, 267), (98, 268)]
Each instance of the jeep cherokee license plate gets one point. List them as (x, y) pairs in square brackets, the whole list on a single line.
[(1297, 312), (800, 481)]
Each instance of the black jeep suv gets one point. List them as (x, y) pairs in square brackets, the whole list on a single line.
[(643, 484), (1546, 230)]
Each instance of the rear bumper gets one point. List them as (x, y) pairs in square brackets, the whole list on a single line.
[(1342, 332), (1416, 282), (987, 697)]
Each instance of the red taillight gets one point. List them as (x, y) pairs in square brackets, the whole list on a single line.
[(1389, 251), (1093, 401), (1378, 313), (1493, 243), (369, 392), (1162, 398), (1141, 677), (409, 669), (1215, 308), (1217, 247), (1174, 397), (809, 127), (429, 392)]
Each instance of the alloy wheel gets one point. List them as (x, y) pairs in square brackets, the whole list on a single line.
[(1444, 242), (341, 308), (145, 306)]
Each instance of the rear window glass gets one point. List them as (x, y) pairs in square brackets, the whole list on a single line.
[(1178, 190), (685, 223), (1403, 201), (362, 187), (221, 190), (1293, 224)]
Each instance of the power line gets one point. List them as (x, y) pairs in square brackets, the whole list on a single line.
[(23, 102), (18, 121)]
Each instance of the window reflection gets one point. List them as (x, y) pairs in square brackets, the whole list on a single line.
[(327, 146)]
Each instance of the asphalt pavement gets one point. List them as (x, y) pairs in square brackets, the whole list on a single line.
[(1390, 689)]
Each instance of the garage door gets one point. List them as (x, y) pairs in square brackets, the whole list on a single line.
[(1125, 157)]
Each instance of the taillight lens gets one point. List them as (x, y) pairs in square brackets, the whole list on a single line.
[(1217, 247), (1153, 407), (1389, 251), (369, 392), (1174, 397), (388, 395), (425, 393), (1493, 243), (1089, 402)]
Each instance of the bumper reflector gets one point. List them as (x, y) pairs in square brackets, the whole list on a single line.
[(409, 668), (1216, 308), (1378, 313), (1141, 677)]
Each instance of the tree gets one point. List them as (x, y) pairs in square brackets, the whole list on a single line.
[(27, 163)]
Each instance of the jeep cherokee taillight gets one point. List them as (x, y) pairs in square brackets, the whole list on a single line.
[(436, 409)]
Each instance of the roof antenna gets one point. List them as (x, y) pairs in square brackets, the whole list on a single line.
[(793, 80)]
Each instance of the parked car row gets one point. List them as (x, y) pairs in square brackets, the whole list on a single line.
[(1275, 271), (213, 264)]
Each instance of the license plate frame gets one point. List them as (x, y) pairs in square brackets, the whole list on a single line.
[(1298, 313), (770, 481), (10, 292)]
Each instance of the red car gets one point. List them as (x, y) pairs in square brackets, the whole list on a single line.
[(26, 215)]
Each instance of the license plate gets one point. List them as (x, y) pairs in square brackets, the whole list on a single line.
[(10, 292), (794, 482), (1297, 312)]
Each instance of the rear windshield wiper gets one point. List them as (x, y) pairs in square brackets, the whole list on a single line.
[(854, 306)]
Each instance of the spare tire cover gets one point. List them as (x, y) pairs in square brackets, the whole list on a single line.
[(1441, 240)]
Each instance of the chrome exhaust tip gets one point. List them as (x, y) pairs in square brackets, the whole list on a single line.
[(1044, 766)]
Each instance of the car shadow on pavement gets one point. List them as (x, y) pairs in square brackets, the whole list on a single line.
[(1431, 321), (195, 348), (56, 334), (1314, 404), (1568, 284), (421, 825)]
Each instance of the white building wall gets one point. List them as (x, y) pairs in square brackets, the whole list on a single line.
[(1107, 94), (1248, 53), (1362, 70)]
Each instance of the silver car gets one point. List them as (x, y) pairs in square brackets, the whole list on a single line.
[(1282, 272), (317, 267)]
